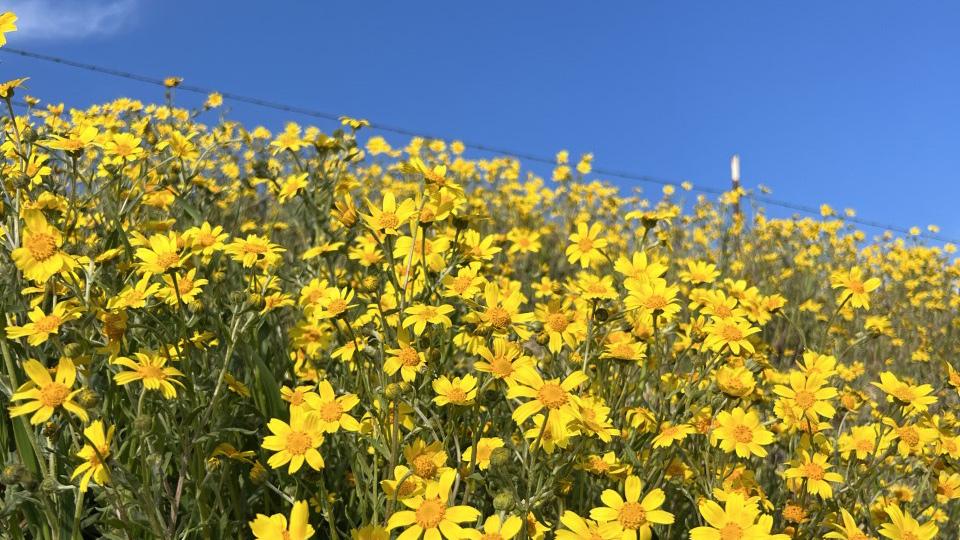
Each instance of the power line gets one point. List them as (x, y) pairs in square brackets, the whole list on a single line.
[(314, 113)]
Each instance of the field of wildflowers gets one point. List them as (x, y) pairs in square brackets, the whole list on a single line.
[(212, 331)]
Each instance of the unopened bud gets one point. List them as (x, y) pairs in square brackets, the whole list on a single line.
[(503, 502), (499, 457)]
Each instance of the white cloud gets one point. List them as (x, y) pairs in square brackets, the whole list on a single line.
[(70, 19)]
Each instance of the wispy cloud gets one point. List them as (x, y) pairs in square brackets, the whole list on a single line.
[(70, 19)]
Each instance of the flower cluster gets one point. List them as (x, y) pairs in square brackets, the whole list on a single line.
[(211, 328)]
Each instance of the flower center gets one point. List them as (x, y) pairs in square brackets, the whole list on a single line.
[(909, 435), (255, 249), (184, 285), (430, 513), (409, 357), (48, 324), (743, 434), (330, 411), (813, 471), (424, 467), (42, 246), (904, 393), (151, 372), (632, 515), (655, 302), (388, 220), (585, 245), (296, 398), (552, 395), (731, 531), (805, 399), (731, 333), (501, 367), (557, 322), (856, 287), (337, 306), (457, 395), (168, 260), (298, 443), (498, 317), (206, 239), (461, 283), (54, 394)]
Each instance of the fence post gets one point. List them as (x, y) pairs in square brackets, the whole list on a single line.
[(735, 182)]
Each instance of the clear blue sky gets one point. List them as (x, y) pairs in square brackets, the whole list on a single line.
[(853, 103)]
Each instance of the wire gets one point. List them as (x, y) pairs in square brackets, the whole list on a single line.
[(314, 113)]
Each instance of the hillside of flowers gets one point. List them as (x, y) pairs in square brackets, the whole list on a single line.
[(213, 330)]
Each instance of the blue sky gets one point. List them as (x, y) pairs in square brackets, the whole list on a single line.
[(854, 103)]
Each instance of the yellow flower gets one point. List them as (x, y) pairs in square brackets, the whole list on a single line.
[(293, 184), (813, 471), (652, 297), (502, 312), (862, 441), (80, 137), (7, 24), (205, 239), (93, 453), (485, 447), (435, 177), (504, 361), (849, 530), (455, 392), (635, 516), (578, 528), (741, 432), (388, 219), (638, 269), (466, 284), (736, 520), (41, 325), (332, 303), (330, 410), (496, 529), (134, 296), (275, 527), (736, 381), (124, 146), (295, 442), (732, 333), (426, 460), (585, 245), (429, 515), (39, 256), (670, 434), (161, 255), (807, 395), (699, 272), (856, 290), (186, 290), (254, 249), (405, 359), (152, 369), (914, 399), (552, 395), (46, 393), (904, 527), (404, 484), (561, 322), (419, 315)]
